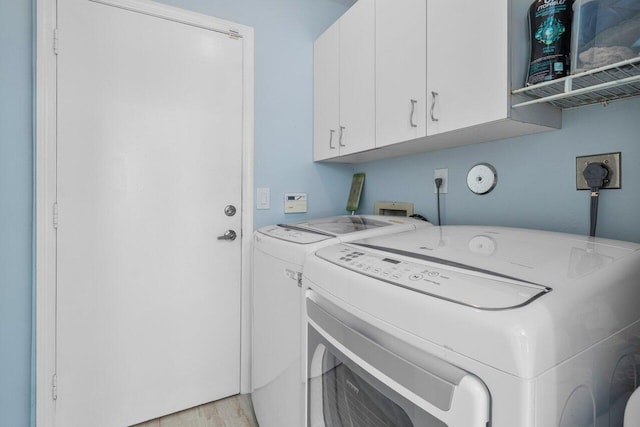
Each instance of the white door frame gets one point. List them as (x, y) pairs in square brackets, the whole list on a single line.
[(46, 193)]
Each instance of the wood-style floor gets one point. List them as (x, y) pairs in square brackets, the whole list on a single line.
[(234, 411)]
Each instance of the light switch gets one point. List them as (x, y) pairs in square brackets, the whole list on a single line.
[(295, 202), (263, 198)]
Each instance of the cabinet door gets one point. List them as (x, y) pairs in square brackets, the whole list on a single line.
[(467, 45), (357, 82), (401, 61), (326, 89)]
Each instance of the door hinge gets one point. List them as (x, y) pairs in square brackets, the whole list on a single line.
[(55, 215), (233, 34), (55, 41), (54, 387)]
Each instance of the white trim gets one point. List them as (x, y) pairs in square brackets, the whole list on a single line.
[(45, 198), (46, 190), (247, 208), (181, 16)]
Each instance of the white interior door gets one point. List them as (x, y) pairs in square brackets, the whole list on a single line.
[(149, 154)]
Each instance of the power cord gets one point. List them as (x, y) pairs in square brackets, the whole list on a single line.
[(420, 217), (438, 182), (596, 175)]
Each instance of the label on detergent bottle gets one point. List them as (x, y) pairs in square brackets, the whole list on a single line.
[(550, 28)]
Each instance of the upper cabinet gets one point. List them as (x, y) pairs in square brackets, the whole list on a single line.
[(326, 90), (344, 85), (444, 72), (467, 67), (401, 70)]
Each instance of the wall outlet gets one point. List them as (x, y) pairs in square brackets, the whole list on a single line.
[(612, 161), (444, 174)]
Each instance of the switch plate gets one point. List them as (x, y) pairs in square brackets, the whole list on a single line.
[(263, 198), (444, 174), (295, 202), (613, 161)]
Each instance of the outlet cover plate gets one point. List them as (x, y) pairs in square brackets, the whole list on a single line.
[(263, 198), (444, 174), (612, 160)]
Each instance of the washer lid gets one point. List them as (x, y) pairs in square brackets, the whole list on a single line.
[(290, 233), (338, 225), (317, 230)]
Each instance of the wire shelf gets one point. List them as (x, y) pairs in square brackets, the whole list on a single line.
[(600, 85)]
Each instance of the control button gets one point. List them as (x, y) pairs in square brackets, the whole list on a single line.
[(434, 273), (395, 276), (416, 276)]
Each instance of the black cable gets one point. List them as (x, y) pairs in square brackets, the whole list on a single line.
[(594, 213), (596, 176), (438, 182)]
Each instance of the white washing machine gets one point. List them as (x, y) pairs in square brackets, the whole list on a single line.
[(278, 255), (470, 327)]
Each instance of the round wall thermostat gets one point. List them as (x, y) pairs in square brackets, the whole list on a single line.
[(482, 178)]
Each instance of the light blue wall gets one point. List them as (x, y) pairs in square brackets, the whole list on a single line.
[(536, 177), (284, 35), (15, 211)]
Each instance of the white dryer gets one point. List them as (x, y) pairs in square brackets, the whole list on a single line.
[(473, 326), (278, 255)]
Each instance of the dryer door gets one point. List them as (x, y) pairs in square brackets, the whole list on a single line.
[(355, 381)]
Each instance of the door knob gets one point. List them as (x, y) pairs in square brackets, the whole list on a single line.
[(230, 210), (228, 235)]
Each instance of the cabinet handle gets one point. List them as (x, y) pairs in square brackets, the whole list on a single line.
[(342, 128), (331, 146), (413, 112), (434, 97)]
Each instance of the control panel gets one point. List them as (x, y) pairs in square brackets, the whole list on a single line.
[(295, 202), (390, 268), (453, 284)]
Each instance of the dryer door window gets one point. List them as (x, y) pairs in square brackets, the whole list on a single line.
[(348, 396), (344, 395), (352, 381)]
